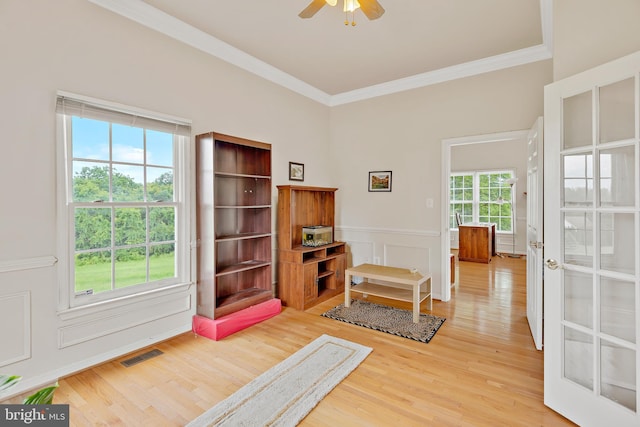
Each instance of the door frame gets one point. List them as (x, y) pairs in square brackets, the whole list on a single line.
[(445, 241)]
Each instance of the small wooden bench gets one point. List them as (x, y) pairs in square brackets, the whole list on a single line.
[(399, 284)]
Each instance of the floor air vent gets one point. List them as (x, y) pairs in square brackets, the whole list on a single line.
[(141, 357)]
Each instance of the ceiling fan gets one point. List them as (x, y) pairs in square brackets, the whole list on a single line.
[(371, 8)]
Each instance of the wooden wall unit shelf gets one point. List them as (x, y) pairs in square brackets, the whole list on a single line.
[(234, 223), (307, 275)]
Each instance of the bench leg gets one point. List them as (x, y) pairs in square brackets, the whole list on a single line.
[(416, 303), (347, 289)]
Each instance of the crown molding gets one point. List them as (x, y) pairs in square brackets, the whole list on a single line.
[(468, 69), (150, 17), (147, 15)]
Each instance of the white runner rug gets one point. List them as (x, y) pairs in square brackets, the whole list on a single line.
[(287, 392)]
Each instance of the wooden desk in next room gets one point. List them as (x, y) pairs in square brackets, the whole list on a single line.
[(476, 242)]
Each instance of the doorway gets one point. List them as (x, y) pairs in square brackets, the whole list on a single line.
[(483, 154)]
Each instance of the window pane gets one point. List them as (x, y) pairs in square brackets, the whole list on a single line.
[(159, 184), (93, 272), (90, 182), (161, 224), (130, 226), (127, 183), (90, 139), (131, 267), (127, 144), (92, 228), (162, 262), (159, 148)]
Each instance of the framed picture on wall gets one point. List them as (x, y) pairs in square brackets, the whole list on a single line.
[(296, 171), (380, 181)]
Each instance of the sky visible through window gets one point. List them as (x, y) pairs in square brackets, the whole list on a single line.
[(91, 142)]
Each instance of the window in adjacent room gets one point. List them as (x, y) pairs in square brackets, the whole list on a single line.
[(481, 196), (124, 213)]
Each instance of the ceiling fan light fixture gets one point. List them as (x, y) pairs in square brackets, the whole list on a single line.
[(350, 5), (371, 9)]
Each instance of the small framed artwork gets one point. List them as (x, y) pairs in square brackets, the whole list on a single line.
[(296, 171), (380, 181)]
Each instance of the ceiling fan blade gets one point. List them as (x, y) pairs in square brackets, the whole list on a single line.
[(371, 8), (311, 10)]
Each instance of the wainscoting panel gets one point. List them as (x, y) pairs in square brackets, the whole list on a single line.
[(407, 257), (396, 247), (123, 318), (360, 253), (15, 310)]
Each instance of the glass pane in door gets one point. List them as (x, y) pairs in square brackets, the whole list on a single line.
[(617, 111), (617, 176), (578, 357), (578, 179), (617, 236), (577, 121), (578, 298), (618, 374), (617, 308), (578, 238)]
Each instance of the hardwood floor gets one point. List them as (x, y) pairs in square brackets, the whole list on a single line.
[(480, 369)]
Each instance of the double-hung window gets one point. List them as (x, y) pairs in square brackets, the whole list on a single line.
[(482, 196), (124, 212)]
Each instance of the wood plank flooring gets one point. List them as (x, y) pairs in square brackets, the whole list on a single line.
[(480, 369)]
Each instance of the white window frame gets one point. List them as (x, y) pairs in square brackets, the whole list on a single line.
[(68, 301), (476, 196)]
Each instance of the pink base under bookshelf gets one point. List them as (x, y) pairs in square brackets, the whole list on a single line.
[(216, 329)]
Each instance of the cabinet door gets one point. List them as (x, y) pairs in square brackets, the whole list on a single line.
[(310, 282), (337, 265)]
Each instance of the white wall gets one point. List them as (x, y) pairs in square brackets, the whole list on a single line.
[(404, 133), (591, 32), (503, 155), (76, 46)]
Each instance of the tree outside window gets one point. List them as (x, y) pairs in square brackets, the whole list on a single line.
[(483, 197)]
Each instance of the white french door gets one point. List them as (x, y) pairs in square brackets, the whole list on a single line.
[(535, 169), (591, 245)]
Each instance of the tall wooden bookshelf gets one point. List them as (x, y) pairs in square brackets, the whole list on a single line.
[(307, 275), (233, 189)]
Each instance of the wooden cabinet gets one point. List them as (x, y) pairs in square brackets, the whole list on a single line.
[(476, 242), (307, 275), (233, 192)]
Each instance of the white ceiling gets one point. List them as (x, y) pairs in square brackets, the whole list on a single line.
[(415, 43)]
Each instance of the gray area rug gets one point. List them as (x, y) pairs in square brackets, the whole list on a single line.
[(287, 392), (387, 319)]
